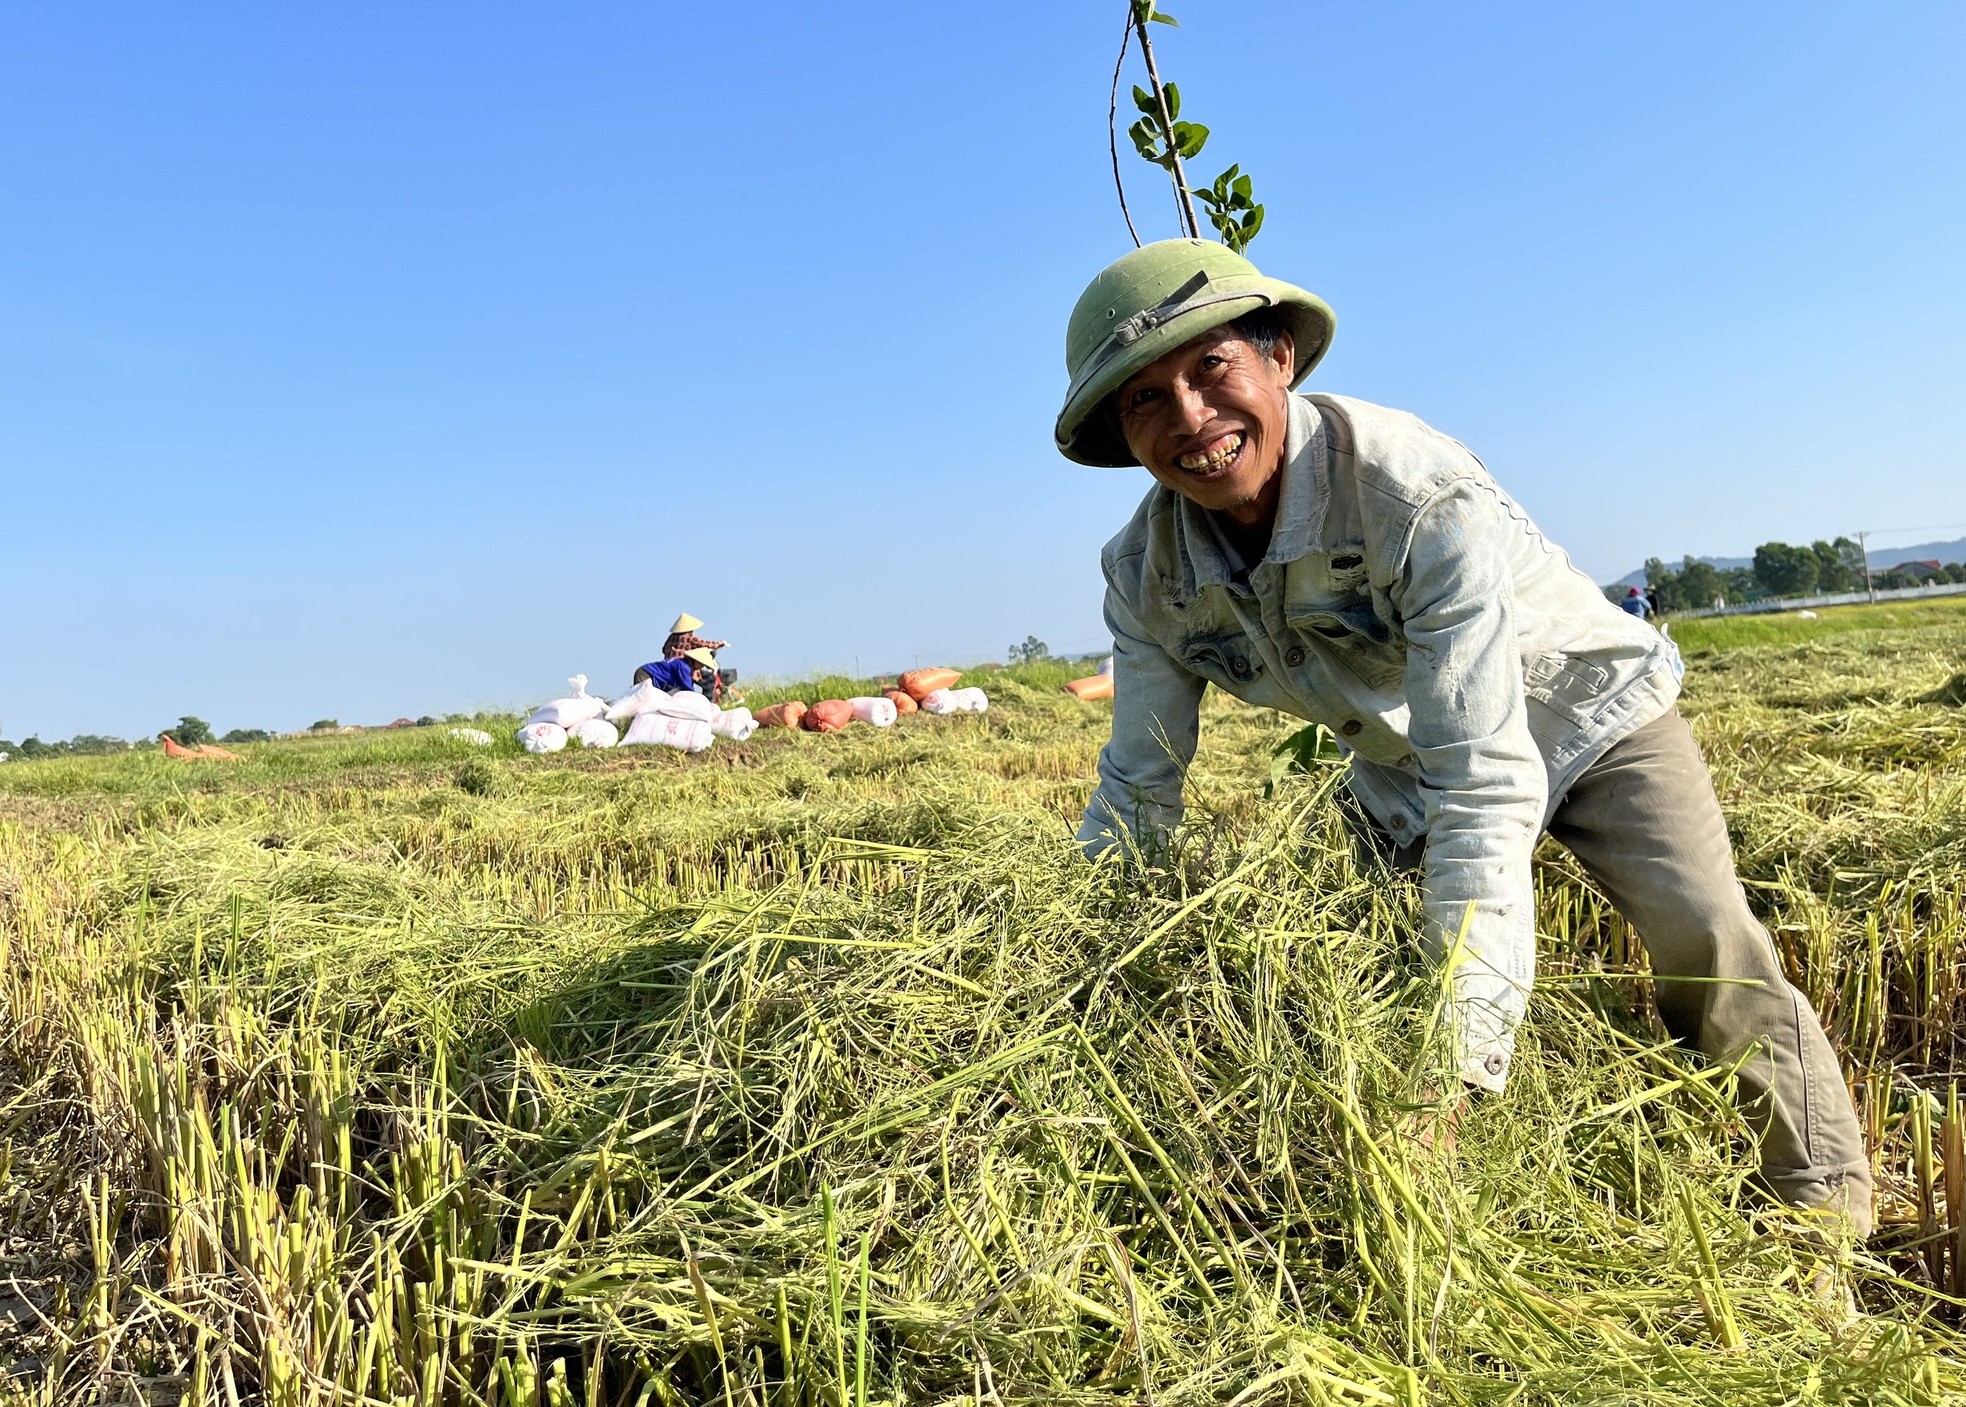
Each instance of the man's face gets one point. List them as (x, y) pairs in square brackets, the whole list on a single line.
[(1208, 419)]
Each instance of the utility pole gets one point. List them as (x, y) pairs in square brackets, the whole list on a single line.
[(1863, 546)]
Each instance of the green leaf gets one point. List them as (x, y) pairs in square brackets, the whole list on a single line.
[(1251, 223), (1173, 91), (1303, 751), (1144, 140), (1144, 100), (1242, 187), (1189, 138)]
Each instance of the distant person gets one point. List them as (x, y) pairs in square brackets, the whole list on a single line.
[(692, 670), (683, 638), (1652, 598), (1635, 604)]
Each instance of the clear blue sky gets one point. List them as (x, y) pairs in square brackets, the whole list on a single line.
[(360, 360)]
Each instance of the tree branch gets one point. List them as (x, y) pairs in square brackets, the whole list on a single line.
[(1183, 202), (1112, 126)]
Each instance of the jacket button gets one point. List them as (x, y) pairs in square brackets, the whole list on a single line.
[(1295, 657), (1350, 727), (1240, 666), (1496, 1063)]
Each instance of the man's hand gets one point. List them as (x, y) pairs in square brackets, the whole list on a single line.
[(1434, 1123)]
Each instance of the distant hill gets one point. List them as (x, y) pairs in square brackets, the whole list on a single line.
[(1954, 551)]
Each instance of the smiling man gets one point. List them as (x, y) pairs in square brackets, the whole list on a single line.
[(1350, 565)]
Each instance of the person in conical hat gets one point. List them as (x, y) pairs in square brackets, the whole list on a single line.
[(683, 638), (1348, 564)]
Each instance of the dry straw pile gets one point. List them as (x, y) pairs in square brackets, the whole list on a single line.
[(823, 1072)]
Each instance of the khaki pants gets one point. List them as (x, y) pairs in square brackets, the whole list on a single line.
[(1644, 822)]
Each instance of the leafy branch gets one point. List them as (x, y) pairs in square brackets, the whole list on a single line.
[(1160, 136)]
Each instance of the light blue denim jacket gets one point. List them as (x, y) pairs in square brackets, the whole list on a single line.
[(1406, 603)]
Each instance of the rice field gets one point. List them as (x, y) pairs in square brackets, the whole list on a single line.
[(820, 1071)]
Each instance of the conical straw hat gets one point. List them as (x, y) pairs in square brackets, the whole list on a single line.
[(685, 621)]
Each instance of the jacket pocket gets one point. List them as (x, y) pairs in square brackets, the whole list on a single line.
[(1352, 636), (1226, 661), (1567, 685)]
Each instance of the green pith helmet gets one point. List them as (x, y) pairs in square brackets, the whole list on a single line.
[(1147, 304)]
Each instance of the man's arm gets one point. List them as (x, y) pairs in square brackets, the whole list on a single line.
[(1481, 775), (1156, 721)]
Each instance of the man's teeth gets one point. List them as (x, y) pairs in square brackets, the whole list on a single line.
[(1213, 459)]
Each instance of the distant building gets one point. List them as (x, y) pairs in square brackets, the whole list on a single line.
[(1921, 571)]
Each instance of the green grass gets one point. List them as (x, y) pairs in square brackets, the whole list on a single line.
[(821, 1070), (1790, 627)]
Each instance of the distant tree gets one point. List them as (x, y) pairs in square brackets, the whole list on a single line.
[(1699, 583), (1664, 580), (246, 735), (1956, 571), (1853, 560), (322, 724), (426, 722), (1834, 571), (1030, 652), (94, 745), (1738, 584), (190, 732), (32, 746), (1782, 570)]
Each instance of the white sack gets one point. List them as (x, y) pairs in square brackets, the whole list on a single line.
[(1106, 665), (595, 732), (477, 737), (640, 699), (685, 703), (941, 701), (737, 724), (661, 730), (570, 712), (879, 712), (542, 737), (971, 700)]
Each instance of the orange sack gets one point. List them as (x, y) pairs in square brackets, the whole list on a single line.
[(781, 715), (1097, 686), (903, 701), (918, 684), (208, 751), (828, 716)]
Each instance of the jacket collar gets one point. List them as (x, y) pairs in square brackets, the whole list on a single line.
[(1300, 509)]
